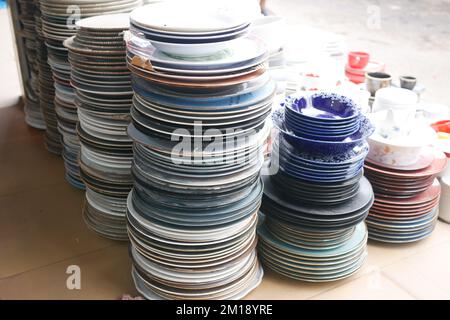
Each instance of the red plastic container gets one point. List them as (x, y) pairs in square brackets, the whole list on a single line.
[(358, 59)]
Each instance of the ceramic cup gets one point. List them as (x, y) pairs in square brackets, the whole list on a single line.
[(408, 82), (358, 60), (377, 80)]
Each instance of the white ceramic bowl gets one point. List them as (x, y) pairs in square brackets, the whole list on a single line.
[(270, 29), (402, 150), (393, 155), (196, 16), (394, 98), (191, 50)]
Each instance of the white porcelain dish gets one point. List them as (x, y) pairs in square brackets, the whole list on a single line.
[(240, 54), (119, 21), (191, 49), (395, 98), (396, 143), (189, 16)]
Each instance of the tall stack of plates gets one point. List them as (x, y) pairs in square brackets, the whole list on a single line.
[(52, 136), (33, 114), (406, 198), (102, 84), (58, 23), (316, 202), (197, 124)]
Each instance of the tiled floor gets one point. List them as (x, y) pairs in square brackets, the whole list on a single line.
[(42, 234)]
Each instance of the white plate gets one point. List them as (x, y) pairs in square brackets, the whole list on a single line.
[(188, 16), (136, 29), (237, 54), (120, 21), (191, 49)]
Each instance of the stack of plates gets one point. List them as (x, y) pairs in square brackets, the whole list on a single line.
[(314, 119), (103, 90), (52, 136), (33, 114), (194, 29), (58, 23), (198, 125), (319, 179), (406, 199), (313, 256), (178, 254), (278, 205), (316, 203), (322, 123)]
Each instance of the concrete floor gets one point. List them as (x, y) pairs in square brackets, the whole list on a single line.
[(413, 37)]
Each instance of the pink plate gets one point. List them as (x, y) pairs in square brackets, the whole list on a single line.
[(425, 197), (425, 160), (435, 167)]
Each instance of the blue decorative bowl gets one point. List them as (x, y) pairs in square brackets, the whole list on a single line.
[(312, 133), (337, 161), (322, 116), (320, 146), (324, 107), (318, 122), (320, 125)]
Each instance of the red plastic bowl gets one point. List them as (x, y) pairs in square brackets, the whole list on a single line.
[(358, 59), (441, 126), (357, 79)]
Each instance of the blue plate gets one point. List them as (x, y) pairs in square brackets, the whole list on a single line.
[(320, 146), (339, 162), (323, 129), (200, 217), (354, 242), (317, 178), (335, 162), (310, 122), (284, 157), (322, 135), (235, 102), (320, 169), (135, 25), (75, 182), (244, 52), (151, 35), (319, 172), (324, 106)]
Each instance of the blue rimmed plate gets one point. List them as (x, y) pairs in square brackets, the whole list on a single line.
[(320, 146), (324, 107)]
